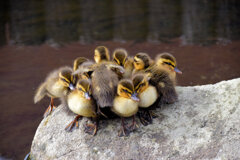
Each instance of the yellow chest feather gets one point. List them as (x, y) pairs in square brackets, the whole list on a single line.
[(124, 107), (80, 105), (57, 89), (148, 97)]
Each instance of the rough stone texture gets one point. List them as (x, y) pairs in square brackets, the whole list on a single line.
[(203, 124)]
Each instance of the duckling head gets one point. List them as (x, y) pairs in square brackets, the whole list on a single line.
[(101, 53), (78, 61), (126, 89), (141, 61), (167, 62), (115, 68), (84, 87), (120, 56), (66, 78), (140, 82), (129, 63)]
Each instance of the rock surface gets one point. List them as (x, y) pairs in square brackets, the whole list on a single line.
[(203, 124)]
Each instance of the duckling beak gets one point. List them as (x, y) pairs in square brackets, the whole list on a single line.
[(134, 97), (86, 95), (122, 71), (177, 70), (71, 86)]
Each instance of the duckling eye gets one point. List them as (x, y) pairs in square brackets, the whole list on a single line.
[(126, 91), (170, 64), (64, 80)]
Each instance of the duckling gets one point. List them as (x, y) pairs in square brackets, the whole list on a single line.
[(159, 77), (56, 85), (148, 96), (104, 85), (141, 62), (76, 65), (120, 56), (126, 105), (85, 70), (78, 62), (80, 102), (101, 54), (167, 62)]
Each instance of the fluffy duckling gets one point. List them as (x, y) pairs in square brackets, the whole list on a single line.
[(159, 78), (101, 54), (126, 104), (120, 56), (78, 62), (76, 65), (80, 102), (56, 85), (141, 62), (85, 70), (168, 62), (148, 96), (104, 85)]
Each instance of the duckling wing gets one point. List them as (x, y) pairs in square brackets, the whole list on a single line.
[(104, 86), (165, 86)]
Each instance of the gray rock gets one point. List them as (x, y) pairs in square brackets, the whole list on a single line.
[(203, 124)]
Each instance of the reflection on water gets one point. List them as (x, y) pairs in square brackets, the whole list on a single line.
[(197, 21)]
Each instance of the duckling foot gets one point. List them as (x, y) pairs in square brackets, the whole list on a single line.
[(99, 112), (91, 129), (145, 117), (48, 111), (73, 124), (133, 126), (152, 114), (124, 131)]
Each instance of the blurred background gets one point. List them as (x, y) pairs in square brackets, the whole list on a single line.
[(39, 36)]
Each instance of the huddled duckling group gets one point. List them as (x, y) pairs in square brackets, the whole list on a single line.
[(124, 86)]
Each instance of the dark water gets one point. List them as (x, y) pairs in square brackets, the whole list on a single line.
[(196, 21)]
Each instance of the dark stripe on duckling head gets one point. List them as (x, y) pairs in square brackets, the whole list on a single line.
[(126, 86), (120, 56), (139, 81), (66, 75), (84, 85), (168, 56)]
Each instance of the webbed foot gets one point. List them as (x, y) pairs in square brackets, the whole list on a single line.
[(99, 112), (132, 127), (73, 124), (48, 111), (152, 114), (124, 131), (91, 129), (145, 117)]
